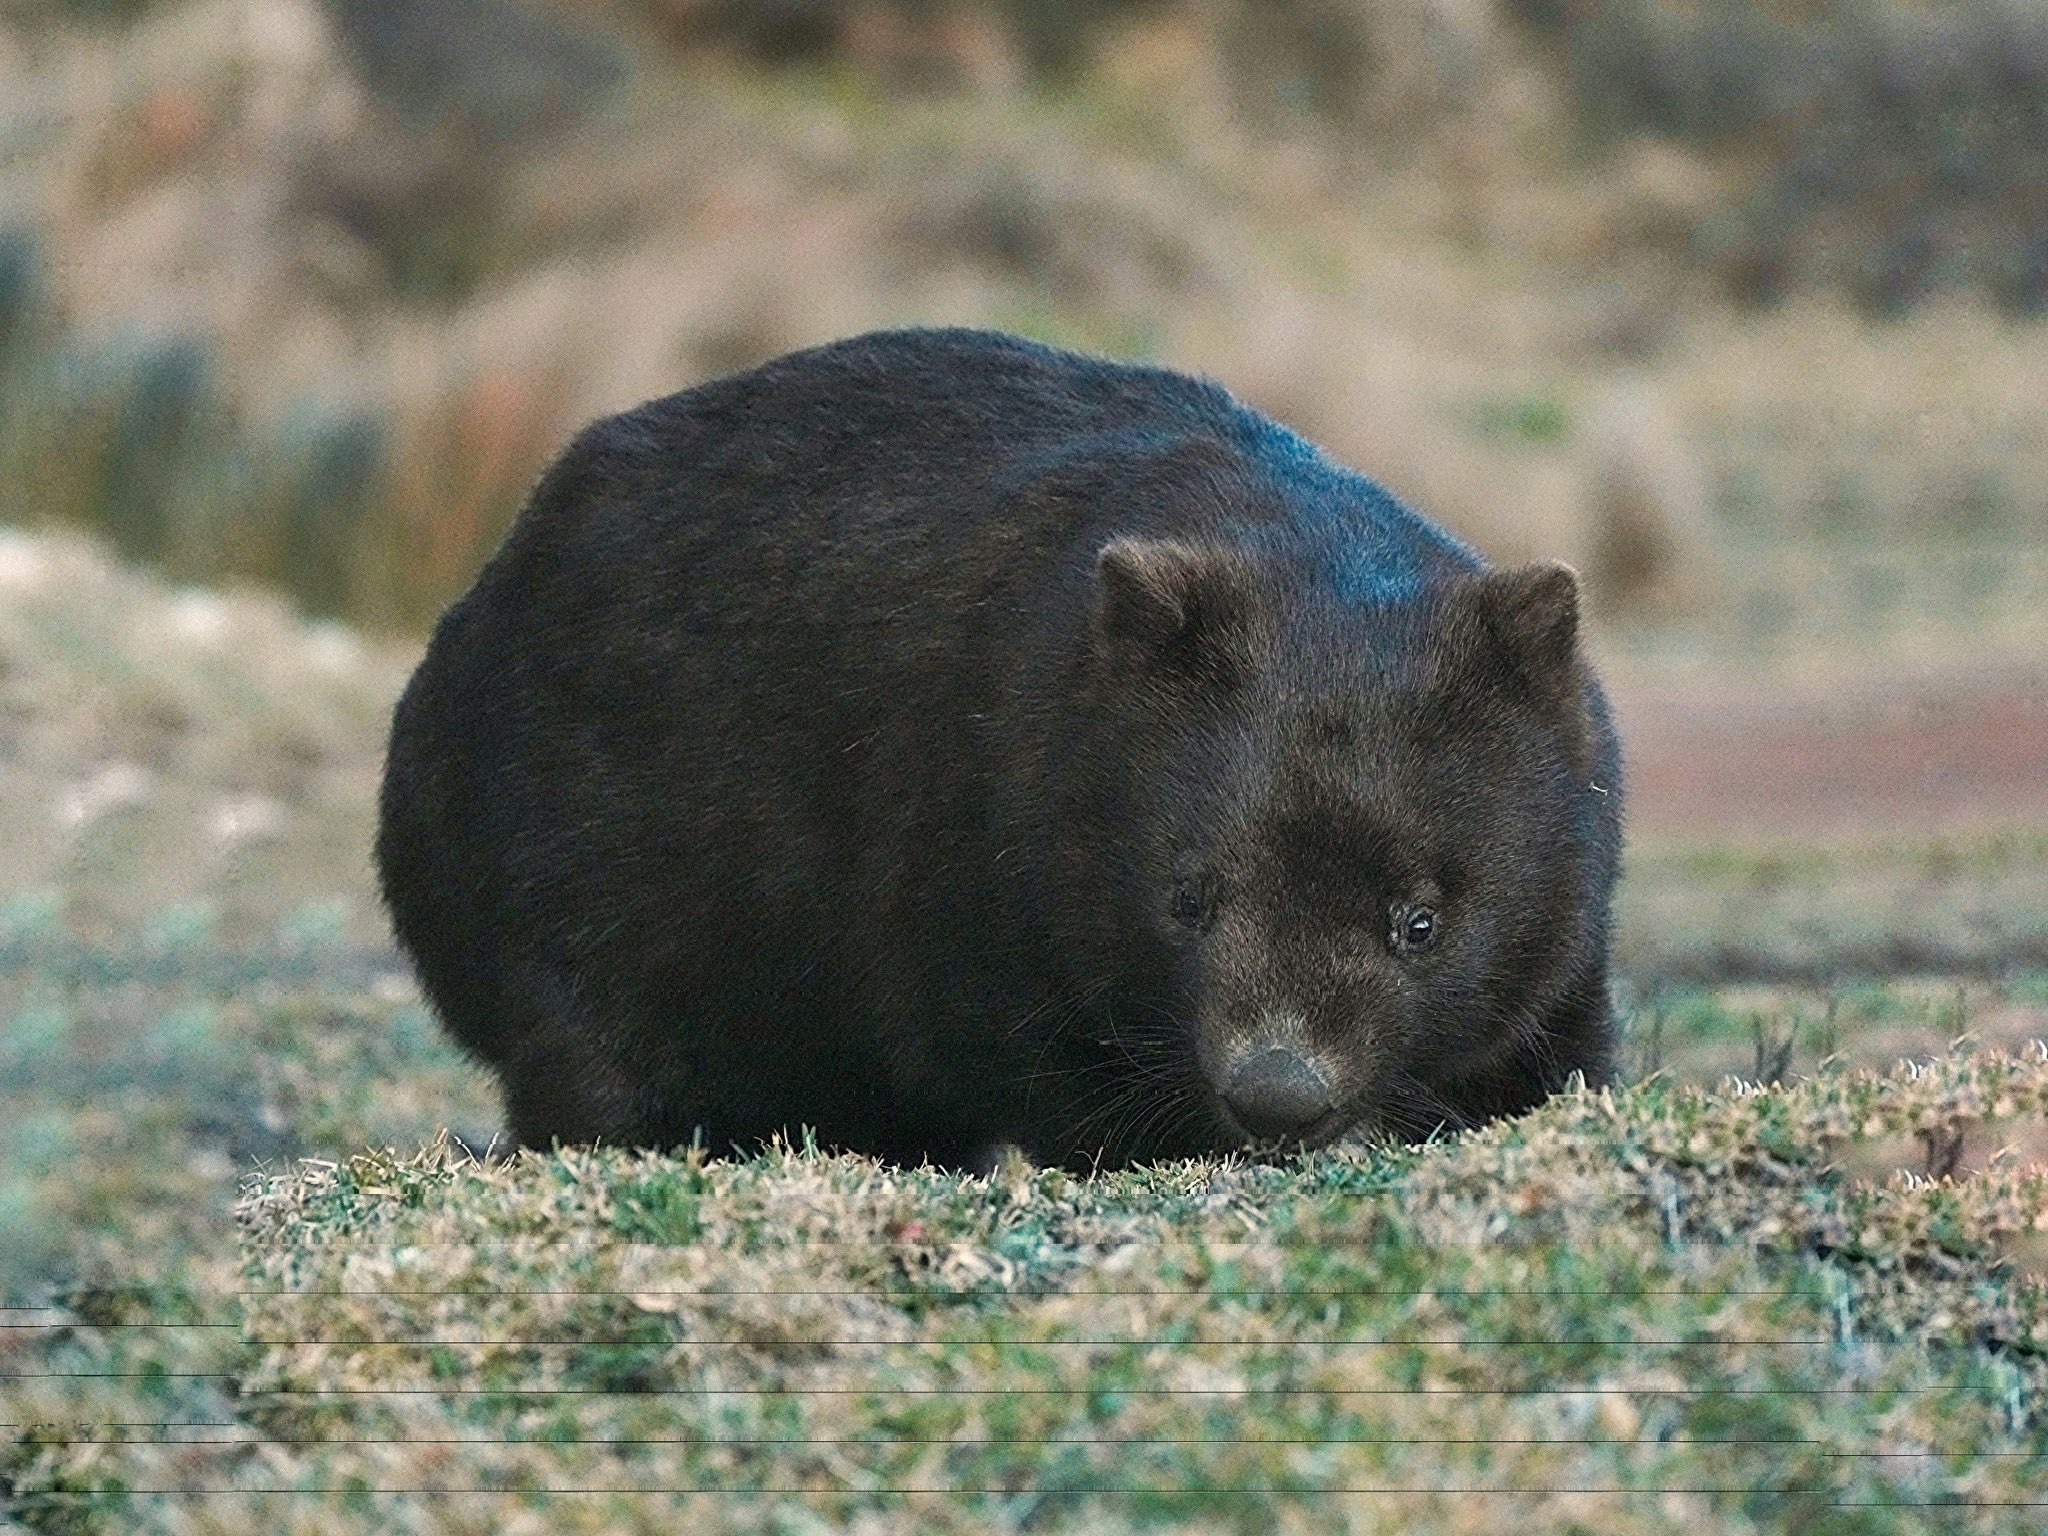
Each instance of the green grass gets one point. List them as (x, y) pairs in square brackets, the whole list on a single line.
[(1658, 1289), (1823, 914)]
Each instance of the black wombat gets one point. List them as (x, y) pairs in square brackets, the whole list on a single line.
[(939, 740)]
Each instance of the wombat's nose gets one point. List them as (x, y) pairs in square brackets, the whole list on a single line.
[(1276, 1093)]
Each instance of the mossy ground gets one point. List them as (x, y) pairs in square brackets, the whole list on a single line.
[(1632, 1311)]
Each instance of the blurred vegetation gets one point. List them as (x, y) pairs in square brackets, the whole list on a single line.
[(306, 291), (1896, 150)]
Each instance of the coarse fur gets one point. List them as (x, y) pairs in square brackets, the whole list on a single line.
[(939, 740)]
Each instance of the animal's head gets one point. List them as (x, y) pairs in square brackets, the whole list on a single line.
[(1351, 845)]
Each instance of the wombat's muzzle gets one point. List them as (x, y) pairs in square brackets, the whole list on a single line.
[(1276, 1092)]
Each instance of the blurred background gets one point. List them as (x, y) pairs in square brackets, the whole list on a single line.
[(303, 292), (1741, 306)]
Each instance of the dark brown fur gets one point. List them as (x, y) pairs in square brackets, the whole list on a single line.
[(939, 740)]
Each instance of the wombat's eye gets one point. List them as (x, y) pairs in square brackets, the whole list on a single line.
[(1188, 905), (1414, 929)]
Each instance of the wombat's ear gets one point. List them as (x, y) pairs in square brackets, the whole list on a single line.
[(1532, 612), (1534, 609), (1188, 610)]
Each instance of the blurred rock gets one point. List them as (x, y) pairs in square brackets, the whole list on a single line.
[(109, 788), (498, 72), (1644, 538), (1086, 235), (18, 290), (432, 180), (905, 44), (1385, 73)]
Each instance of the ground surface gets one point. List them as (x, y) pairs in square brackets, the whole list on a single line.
[(1949, 753)]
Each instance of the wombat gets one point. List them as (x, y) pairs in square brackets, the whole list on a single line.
[(940, 741)]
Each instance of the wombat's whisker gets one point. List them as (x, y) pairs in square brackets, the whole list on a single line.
[(1109, 1116), (1160, 1106), (1528, 1030), (1070, 1010), (1416, 1108), (1191, 1117), (1109, 1095), (1132, 1135)]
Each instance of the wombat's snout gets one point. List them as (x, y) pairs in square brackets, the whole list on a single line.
[(1276, 1092)]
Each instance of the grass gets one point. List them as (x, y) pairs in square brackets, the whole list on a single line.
[(1550, 1320), (1823, 913)]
